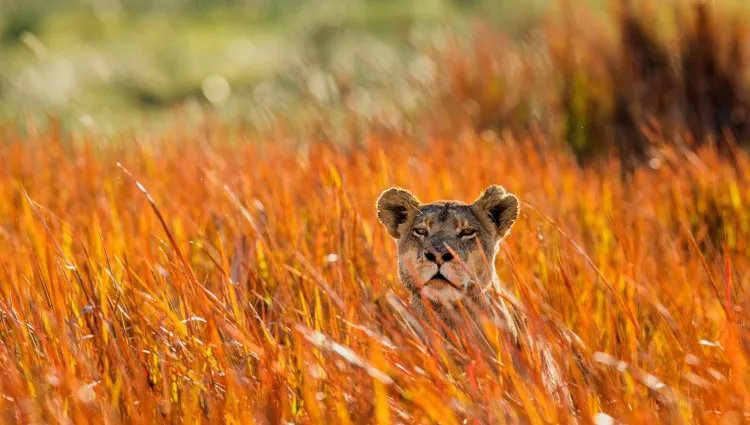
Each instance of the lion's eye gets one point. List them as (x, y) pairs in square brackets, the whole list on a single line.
[(420, 231), (467, 233)]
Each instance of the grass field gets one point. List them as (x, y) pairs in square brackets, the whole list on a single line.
[(239, 284), (223, 272)]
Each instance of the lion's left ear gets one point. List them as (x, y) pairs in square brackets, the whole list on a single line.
[(499, 206)]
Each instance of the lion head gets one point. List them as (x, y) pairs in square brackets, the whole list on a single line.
[(446, 249)]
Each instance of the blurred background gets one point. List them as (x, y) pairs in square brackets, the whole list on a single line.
[(597, 75), (109, 63)]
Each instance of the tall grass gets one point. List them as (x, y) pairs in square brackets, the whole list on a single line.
[(185, 279), (211, 274)]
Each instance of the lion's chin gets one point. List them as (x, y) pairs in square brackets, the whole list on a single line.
[(441, 291)]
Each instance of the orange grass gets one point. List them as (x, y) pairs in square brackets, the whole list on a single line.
[(259, 297)]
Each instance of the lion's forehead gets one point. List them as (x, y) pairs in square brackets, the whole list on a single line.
[(446, 215)]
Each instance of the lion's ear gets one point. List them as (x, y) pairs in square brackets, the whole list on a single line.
[(500, 207), (396, 209)]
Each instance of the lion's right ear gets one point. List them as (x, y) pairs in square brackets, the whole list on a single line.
[(396, 208)]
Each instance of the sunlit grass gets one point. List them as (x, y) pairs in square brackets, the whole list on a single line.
[(233, 270), (261, 297)]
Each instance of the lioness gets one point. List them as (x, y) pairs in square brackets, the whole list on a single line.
[(446, 249), (446, 256)]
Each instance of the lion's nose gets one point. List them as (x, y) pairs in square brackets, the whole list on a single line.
[(437, 257)]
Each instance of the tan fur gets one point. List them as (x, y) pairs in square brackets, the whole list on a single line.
[(436, 229), (430, 240)]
